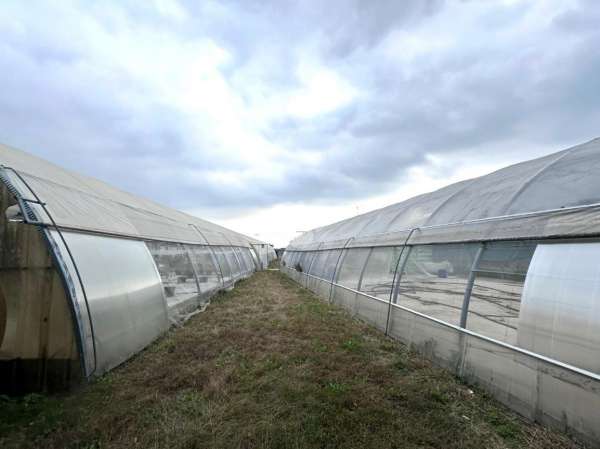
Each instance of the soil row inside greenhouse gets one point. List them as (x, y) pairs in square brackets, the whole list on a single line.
[(270, 365)]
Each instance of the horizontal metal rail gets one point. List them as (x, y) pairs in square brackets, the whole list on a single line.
[(101, 198), (467, 222), (593, 237), (475, 221), (526, 352), (22, 201), (127, 236)]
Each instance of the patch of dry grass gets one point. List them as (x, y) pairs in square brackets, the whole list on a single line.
[(268, 365)]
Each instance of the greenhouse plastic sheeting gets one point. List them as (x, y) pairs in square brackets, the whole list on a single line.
[(83, 203), (550, 196), (124, 295)]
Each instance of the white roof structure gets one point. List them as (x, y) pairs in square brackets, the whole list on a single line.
[(84, 203), (118, 268), (556, 195)]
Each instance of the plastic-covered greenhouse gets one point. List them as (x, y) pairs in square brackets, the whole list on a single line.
[(497, 278), (90, 275)]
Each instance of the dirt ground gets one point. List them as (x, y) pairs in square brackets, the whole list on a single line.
[(269, 365)]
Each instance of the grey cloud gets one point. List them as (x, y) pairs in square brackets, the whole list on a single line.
[(494, 84), (362, 24), (581, 18), (473, 94)]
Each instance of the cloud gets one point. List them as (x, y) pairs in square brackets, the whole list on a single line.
[(236, 106)]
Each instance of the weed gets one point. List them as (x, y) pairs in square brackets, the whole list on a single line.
[(269, 365), (336, 388), (353, 344)]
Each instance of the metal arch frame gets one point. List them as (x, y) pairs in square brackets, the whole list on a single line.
[(240, 252), (312, 261), (364, 269), (159, 277), (226, 263), (363, 266), (243, 254), (343, 253), (297, 256), (189, 258), (255, 258), (235, 255), (300, 254), (212, 252), (27, 212), (396, 279), (257, 253), (464, 313), (70, 292), (241, 262), (468, 287), (396, 290), (341, 260), (313, 258), (292, 253), (247, 259)]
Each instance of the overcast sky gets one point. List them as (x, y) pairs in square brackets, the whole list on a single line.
[(273, 117)]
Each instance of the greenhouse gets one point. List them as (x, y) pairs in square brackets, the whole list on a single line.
[(496, 278), (90, 275)]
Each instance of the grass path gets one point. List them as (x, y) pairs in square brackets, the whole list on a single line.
[(268, 365)]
